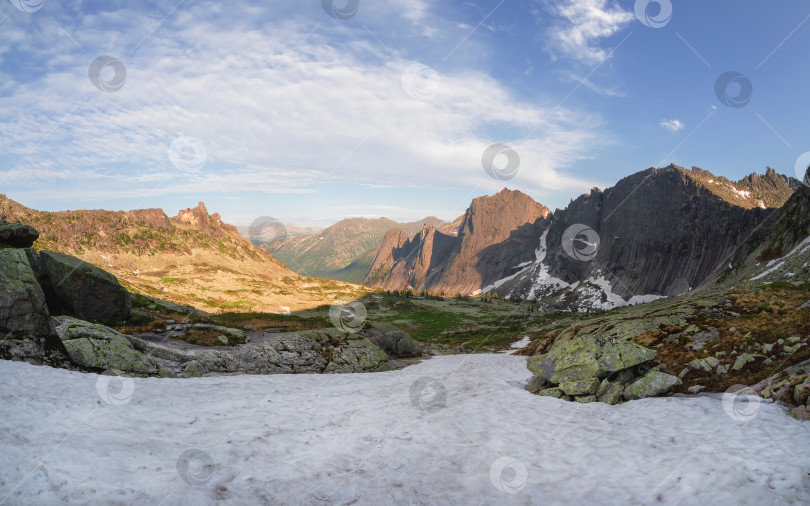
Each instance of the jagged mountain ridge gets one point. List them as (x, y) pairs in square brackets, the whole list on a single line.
[(192, 258), (492, 236), (343, 251), (662, 232)]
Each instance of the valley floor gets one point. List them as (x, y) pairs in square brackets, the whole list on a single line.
[(472, 436)]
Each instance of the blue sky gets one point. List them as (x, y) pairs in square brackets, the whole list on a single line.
[(278, 108)]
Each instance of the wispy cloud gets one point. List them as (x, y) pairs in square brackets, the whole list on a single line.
[(582, 25), (278, 108), (673, 125)]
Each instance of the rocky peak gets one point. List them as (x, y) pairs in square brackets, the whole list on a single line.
[(197, 216), (150, 217)]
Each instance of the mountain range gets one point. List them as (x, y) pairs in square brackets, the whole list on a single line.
[(192, 258), (657, 233), (343, 251)]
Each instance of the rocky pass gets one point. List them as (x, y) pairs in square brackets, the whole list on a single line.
[(522, 252)]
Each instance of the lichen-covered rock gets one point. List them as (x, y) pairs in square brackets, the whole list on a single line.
[(97, 346), (651, 384), (535, 385), (596, 356), (613, 394), (552, 392), (543, 366), (312, 351), (801, 392), (580, 387), (17, 235), (23, 309), (358, 354), (392, 340), (584, 399), (742, 360), (706, 364), (603, 387), (75, 287)]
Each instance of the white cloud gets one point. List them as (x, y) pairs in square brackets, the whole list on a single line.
[(585, 23), (278, 111), (673, 125)]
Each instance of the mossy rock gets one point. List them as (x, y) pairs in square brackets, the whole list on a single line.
[(581, 387), (97, 346), (596, 356), (23, 306), (651, 384)]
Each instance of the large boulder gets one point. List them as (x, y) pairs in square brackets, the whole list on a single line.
[(75, 287), (23, 309), (392, 340), (17, 235), (597, 367), (97, 346), (651, 384), (596, 356)]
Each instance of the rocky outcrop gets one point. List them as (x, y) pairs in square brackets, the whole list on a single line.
[(17, 235), (23, 308), (98, 347), (597, 368), (392, 340), (495, 234), (78, 288), (25, 325), (314, 351), (154, 218), (199, 218)]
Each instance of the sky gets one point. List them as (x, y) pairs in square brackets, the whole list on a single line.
[(313, 111)]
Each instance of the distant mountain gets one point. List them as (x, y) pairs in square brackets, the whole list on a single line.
[(291, 230), (343, 251), (193, 258), (657, 233), (491, 238), (660, 232)]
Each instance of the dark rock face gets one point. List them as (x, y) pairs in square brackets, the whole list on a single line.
[(78, 288), (660, 231), (23, 310), (495, 234), (17, 235)]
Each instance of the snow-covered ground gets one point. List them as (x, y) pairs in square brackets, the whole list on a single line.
[(451, 430)]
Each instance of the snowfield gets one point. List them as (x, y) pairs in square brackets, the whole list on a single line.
[(451, 430)]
